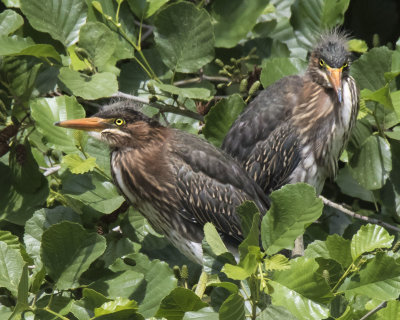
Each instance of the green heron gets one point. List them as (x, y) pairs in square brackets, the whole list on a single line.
[(296, 129), (176, 180)]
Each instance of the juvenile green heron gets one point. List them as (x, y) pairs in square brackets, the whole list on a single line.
[(296, 129), (176, 180)]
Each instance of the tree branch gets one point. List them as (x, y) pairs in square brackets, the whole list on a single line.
[(358, 216), (201, 78), (159, 106)]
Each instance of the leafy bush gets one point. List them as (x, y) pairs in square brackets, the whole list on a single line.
[(71, 248)]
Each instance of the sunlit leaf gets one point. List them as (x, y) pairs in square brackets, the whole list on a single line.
[(369, 238), (78, 165)]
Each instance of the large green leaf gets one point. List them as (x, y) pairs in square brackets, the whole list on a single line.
[(232, 308), (184, 37), (369, 238), (97, 86), (203, 314), (311, 17), (46, 111), (372, 163), (68, 250), (380, 279), (234, 19), (301, 307), (159, 279), (98, 41), (179, 301), (334, 247), (78, 165), (14, 44), (293, 208), (40, 221), (145, 8), (213, 239), (11, 267), (221, 117), (391, 312), (377, 61), (62, 19), (276, 313), (10, 21), (17, 206), (302, 278), (93, 191), (277, 68)]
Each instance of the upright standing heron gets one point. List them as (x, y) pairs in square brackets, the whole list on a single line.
[(296, 129), (176, 180)]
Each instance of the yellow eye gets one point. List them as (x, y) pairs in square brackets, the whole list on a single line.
[(119, 122), (345, 65), (321, 63)]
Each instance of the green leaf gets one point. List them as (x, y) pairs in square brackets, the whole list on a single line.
[(78, 165), (334, 247), (395, 97), (11, 268), (23, 287), (301, 307), (376, 61), (372, 163), (98, 41), (380, 279), (203, 314), (46, 111), (14, 44), (17, 206), (276, 313), (40, 51), (220, 118), (62, 20), (234, 19), (293, 208), (20, 75), (357, 45), (93, 87), (277, 68), (348, 185), (214, 240), (381, 96), (145, 8), (302, 278), (246, 211), (232, 308), (277, 262), (369, 238), (159, 278), (65, 260), (247, 266), (185, 93), (179, 301), (93, 191), (184, 37), (310, 17), (391, 312), (116, 305), (10, 21), (40, 221), (253, 237)]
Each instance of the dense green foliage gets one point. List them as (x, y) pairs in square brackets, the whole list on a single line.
[(71, 248)]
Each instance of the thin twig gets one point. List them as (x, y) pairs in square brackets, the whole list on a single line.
[(358, 216), (49, 171), (201, 78), (159, 106), (381, 306)]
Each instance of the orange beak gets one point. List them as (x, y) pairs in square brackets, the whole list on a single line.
[(87, 124), (335, 78)]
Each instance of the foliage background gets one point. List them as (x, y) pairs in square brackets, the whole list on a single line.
[(71, 248)]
